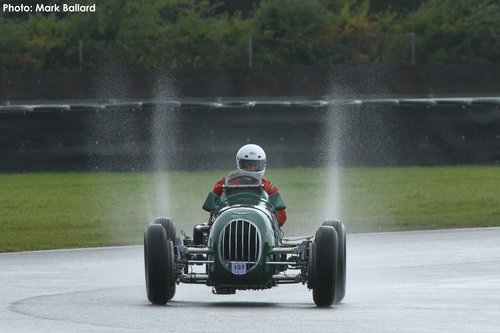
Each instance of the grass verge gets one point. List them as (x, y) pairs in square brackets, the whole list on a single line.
[(60, 210)]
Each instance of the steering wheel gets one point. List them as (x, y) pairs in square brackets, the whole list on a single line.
[(243, 180)]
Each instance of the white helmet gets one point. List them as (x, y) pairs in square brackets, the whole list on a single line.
[(251, 158)]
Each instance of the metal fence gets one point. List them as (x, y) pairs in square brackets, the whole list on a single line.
[(187, 134), (260, 52)]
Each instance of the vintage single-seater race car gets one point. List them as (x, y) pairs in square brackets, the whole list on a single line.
[(242, 247)]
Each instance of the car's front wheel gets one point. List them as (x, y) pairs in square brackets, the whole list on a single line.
[(159, 265), (168, 224), (341, 259), (324, 266)]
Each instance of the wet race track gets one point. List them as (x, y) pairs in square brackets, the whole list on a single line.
[(431, 281)]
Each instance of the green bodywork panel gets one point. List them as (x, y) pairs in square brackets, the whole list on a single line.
[(255, 207), (211, 202), (260, 276)]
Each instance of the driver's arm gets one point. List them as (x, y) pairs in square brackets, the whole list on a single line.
[(270, 189)]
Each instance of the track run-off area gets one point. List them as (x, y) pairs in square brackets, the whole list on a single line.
[(425, 281)]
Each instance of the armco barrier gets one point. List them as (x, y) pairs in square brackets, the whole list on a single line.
[(147, 135)]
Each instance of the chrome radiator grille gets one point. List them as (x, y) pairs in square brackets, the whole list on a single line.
[(240, 241)]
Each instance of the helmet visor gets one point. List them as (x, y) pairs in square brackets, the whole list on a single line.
[(252, 165)]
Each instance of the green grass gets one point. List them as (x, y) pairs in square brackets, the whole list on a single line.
[(59, 210)]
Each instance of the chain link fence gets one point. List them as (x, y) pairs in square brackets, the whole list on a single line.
[(262, 52)]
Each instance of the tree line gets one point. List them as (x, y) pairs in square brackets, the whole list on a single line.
[(146, 34)]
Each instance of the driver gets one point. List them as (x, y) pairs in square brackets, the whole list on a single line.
[(252, 159)]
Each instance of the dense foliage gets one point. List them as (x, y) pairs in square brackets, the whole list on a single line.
[(237, 33)]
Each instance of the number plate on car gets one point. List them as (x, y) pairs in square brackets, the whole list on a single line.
[(238, 268)]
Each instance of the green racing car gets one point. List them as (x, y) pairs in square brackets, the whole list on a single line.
[(242, 248)]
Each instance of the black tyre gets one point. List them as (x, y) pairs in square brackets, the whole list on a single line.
[(341, 259), (159, 265), (168, 224), (324, 266)]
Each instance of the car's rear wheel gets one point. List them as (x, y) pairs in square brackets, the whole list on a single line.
[(324, 266), (159, 265), (341, 259), (168, 224)]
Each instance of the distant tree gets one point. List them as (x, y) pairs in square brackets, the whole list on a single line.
[(244, 8), (216, 33), (399, 7), (457, 31), (352, 34), (287, 31), (195, 36), (13, 54), (47, 42), (165, 33)]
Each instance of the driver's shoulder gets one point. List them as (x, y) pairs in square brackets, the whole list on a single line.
[(220, 182), (218, 186), (269, 186)]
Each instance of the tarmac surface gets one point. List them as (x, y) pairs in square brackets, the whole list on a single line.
[(429, 281)]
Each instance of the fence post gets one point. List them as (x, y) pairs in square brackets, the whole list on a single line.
[(80, 53), (250, 51), (413, 48)]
